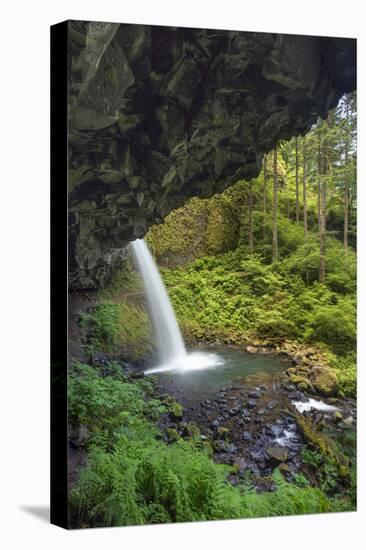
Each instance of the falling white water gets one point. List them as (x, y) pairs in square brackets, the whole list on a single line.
[(173, 354), (170, 341)]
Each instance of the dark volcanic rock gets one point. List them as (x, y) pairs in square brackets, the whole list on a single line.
[(247, 436), (276, 430), (160, 114), (272, 404)]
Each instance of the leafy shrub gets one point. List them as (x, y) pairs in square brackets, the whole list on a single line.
[(123, 327), (346, 369), (335, 325), (133, 477)]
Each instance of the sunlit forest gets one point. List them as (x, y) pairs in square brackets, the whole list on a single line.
[(266, 270)]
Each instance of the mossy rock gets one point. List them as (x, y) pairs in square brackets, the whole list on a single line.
[(172, 435), (191, 430), (337, 416), (221, 446), (284, 468), (222, 433), (300, 380), (302, 386), (235, 469), (291, 371), (276, 455), (324, 381), (176, 411), (321, 443)]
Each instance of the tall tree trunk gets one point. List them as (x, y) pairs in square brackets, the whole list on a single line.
[(250, 217), (304, 186), (323, 209), (346, 210), (297, 178), (318, 180), (275, 205), (346, 186), (265, 181)]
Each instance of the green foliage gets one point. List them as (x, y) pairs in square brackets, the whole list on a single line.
[(325, 471), (223, 293), (335, 325), (346, 369), (200, 227), (118, 326), (133, 477), (241, 295)]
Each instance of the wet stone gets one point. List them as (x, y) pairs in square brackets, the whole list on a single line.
[(290, 387), (276, 455), (295, 395), (276, 430), (247, 436)]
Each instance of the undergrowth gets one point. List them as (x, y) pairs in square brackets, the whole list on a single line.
[(134, 477)]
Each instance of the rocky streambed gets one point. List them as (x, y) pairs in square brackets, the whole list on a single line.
[(264, 420)]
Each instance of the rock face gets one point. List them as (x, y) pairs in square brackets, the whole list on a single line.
[(160, 114)]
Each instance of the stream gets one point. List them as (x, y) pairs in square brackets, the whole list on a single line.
[(241, 406), (240, 402)]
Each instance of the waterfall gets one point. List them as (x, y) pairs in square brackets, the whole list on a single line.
[(169, 339)]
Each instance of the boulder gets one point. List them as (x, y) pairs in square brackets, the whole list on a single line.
[(324, 380), (221, 446), (222, 433), (298, 379), (276, 455), (284, 468), (191, 429)]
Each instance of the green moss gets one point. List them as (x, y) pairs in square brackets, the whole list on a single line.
[(172, 435), (324, 380), (200, 227), (321, 443), (222, 433), (301, 380), (191, 430), (175, 408), (118, 328)]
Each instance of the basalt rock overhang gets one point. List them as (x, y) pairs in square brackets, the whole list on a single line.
[(160, 114)]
